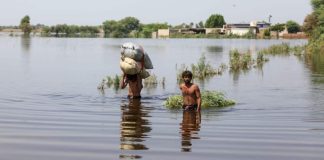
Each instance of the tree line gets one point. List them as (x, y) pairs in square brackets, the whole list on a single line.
[(132, 27), (124, 28)]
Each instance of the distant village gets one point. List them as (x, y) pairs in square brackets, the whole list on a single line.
[(257, 29), (239, 29)]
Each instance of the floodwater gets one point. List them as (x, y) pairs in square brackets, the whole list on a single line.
[(50, 107)]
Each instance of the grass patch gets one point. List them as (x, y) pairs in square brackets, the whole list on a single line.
[(240, 60), (243, 61), (284, 49), (109, 81), (279, 49), (201, 70), (210, 99)]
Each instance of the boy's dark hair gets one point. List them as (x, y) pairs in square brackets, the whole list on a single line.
[(186, 74)]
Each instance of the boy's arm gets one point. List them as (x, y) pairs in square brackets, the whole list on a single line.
[(198, 95)]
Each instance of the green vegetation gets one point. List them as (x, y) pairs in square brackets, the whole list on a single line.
[(25, 25), (210, 99), (215, 21), (240, 60), (283, 49), (151, 81), (147, 29), (267, 33), (131, 27), (63, 30), (122, 28), (279, 27), (293, 27), (110, 81), (314, 27), (244, 61), (278, 49), (201, 70)]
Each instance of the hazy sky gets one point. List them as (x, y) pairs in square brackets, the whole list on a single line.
[(94, 12)]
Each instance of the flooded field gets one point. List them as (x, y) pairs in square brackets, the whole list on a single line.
[(50, 107)]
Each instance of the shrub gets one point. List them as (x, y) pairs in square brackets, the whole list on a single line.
[(210, 99)]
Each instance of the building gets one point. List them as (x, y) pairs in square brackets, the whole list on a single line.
[(239, 29)]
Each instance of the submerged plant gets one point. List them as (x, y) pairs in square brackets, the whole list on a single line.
[(210, 99), (279, 49), (240, 60), (151, 80), (201, 70), (109, 81)]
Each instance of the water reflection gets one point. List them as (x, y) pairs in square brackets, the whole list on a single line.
[(215, 49), (134, 127), (25, 43), (315, 63), (189, 129)]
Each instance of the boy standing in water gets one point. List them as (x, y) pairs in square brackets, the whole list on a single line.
[(135, 85), (190, 92)]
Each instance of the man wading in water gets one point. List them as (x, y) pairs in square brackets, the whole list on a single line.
[(190, 92), (135, 85)]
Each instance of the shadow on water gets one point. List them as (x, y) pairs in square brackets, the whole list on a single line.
[(189, 129), (134, 128)]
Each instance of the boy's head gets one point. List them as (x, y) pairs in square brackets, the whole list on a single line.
[(187, 76)]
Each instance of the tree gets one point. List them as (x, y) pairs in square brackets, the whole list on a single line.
[(130, 24), (267, 33), (310, 23), (316, 4), (25, 25), (215, 21), (200, 25), (292, 27), (121, 28), (147, 29), (277, 28)]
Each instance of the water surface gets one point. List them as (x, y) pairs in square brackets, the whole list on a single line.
[(50, 107)]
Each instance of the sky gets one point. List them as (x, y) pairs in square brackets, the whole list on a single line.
[(174, 12)]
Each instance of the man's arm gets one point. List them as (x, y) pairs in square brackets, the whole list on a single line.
[(198, 95), (123, 83)]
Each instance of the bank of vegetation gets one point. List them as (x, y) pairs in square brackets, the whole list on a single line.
[(314, 27), (131, 27)]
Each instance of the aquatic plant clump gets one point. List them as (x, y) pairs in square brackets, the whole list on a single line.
[(284, 49), (279, 49), (110, 81), (201, 70), (210, 99), (151, 80), (240, 60)]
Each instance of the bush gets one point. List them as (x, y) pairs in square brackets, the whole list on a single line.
[(210, 99)]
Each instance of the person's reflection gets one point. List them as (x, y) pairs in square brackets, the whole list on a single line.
[(134, 126), (189, 129)]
